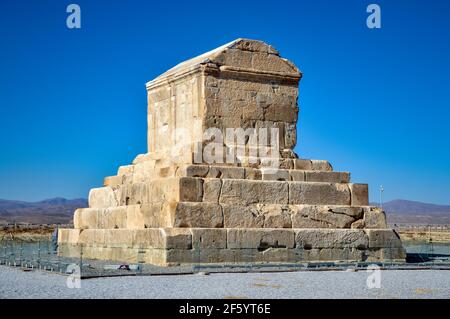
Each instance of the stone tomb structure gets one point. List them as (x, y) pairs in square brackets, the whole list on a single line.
[(174, 206)]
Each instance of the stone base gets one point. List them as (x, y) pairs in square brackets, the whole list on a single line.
[(177, 246)]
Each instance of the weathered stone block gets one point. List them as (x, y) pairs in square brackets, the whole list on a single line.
[(211, 190), (209, 238), (318, 193), (276, 216), (275, 175), (302, 164), (383, 238), (331, 238), (320, 165), (329, 177), (322, 216), (247, 192), (297, 176), (259, 239), (374, 218), (102, 197), (241, 216), (360, 194), (208, 215)]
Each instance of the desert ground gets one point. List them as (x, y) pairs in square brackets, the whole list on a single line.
[(15, 283)]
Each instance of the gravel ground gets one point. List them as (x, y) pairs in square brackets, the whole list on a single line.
[(15, 283)]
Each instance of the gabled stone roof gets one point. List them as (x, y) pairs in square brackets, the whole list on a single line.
[(217, 56)]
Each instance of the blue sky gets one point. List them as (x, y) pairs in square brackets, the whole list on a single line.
[(373, 102)]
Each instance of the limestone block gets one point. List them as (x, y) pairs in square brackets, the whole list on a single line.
[(290, 135), (276, 216), (397, 253), (102, 197), (193, 171), (191, 190), (384, 254), (304, 221), (209, 238), (359, 194), (359, 224), (238, 238), (275, 175), (330, 177), (286, 113), (148, 238), (168, 171), (235, 57), (126, 169), (96, 237), (302, 164), (208, 215), (276, 255), (352, 211), (375, 218), (270, 62), (320, 165), (113, 181), (68, 236), (382, 238), (153, 215), (285, 163), (175, 257), (134, 217), (323, 214), (241, 216), (211, 190), (331, 238), (85, 218), (340, 254), (255, 46), (186, 189), (177, 238), (144, 171), (297, 175), (248, 191), (113, 217), (253, 173), (226, 172), (115, 237), (141, 192), (318, 193)]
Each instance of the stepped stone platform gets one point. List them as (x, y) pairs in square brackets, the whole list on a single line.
[(173, 205)]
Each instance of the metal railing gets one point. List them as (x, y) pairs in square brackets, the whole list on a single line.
[(43, 255)]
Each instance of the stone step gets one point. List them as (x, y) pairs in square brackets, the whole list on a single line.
[(315, 170), (170, 246), (214, 215), (232, 191), (231, 172)]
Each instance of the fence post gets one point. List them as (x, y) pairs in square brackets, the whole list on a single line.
[(21, 253), (81, 259), (39, 255)]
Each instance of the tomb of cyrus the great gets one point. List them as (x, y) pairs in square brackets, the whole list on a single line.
[(199, 196)]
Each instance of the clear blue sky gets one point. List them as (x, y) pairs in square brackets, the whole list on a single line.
[(373, 102)]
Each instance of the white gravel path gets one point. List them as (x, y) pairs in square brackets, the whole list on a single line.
[(14, 283)]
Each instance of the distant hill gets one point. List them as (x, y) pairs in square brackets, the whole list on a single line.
[(402, 211), (60, 211), (50, 211)]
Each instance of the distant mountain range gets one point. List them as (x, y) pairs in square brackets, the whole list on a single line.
[(50, 211), (402, 211), (60, 211)]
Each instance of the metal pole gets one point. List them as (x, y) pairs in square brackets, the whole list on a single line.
[(21, 253), (39, 255), (381, 196)]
